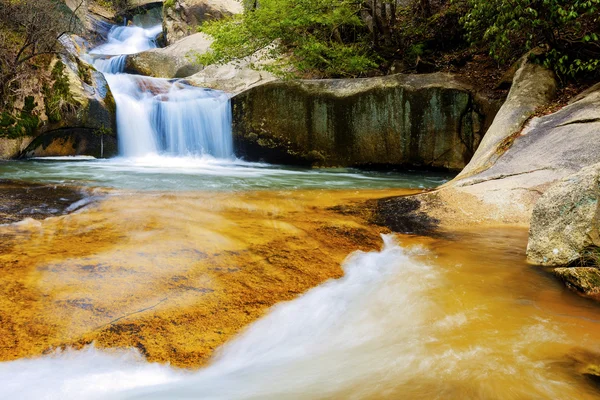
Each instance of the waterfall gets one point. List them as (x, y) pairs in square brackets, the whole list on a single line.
[(160, 116)]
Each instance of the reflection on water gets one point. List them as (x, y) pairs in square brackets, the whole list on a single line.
[(174, 275)]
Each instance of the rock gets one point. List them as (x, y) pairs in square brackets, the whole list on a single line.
[(584, 280), (421, 120), (533, 87), (95, 106), (89, 127), (174, 61), (22, 200), (520, 160), (236, 76), (182, 17), (11, 148), (73, 142), (565, 223)]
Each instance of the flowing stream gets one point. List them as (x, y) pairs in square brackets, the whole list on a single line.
[(188, 274)]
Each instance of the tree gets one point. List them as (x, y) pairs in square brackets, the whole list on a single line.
[(569, 29), (29, 29), (317, 37)]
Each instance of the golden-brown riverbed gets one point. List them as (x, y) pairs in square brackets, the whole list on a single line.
[(174, 275)]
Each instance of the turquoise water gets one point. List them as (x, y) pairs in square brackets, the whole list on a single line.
[(160, 173)]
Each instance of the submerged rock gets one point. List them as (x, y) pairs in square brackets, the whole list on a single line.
[(182, 17), (426, 120), (565, 222), (22, 200)]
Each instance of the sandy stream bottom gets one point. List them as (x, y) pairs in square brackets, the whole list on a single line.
[(176, 276)]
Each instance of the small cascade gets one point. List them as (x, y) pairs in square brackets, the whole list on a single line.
[(160, 116)]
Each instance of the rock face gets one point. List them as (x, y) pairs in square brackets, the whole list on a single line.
[(533, 87), (522, 158), (174, 61), (89, 127), (420, 120), (182, 17), (94, 103), (565, 224), (11, 148)]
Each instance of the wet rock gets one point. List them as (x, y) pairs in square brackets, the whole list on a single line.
[(88, 125), (584, 280), (424, 120), (182, 17), (403, 215), (565, 222), (174, 61), (20, 200)]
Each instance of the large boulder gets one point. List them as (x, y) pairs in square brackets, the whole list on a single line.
[(182, 17), (236, 76), (522, 158), (93, 103), (533, 87), (88, 125), (565, 226), (174, 61), (420, 120)]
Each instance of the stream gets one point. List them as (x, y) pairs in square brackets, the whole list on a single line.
[(186, 273)]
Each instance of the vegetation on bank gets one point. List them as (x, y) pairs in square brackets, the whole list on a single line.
[(30, 34), (333, 38)]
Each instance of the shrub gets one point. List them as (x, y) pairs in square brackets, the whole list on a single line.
[(323, 37)]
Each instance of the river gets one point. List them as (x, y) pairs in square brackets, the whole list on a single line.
[(186, 273)]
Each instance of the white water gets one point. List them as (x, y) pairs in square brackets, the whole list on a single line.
[(159, 116), (369, 334)]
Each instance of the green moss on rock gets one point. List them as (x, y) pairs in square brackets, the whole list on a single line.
[(426, 120)]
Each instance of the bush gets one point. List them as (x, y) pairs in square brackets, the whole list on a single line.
[(57, 98), (322, 37), (569, 29), (24, 124)]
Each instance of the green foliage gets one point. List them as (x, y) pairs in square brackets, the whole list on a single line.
[(169, 4), (569, 29), (322, 37), (24, 124), (57, 98)]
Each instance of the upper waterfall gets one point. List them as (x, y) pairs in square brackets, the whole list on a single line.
[(160, 116)]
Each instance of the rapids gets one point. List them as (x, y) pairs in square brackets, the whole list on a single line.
[(184, 273)]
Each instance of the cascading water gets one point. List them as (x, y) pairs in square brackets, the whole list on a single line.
[(160, 116)]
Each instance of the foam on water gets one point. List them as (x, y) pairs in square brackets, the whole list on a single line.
[(378, 332), (204, 172)]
